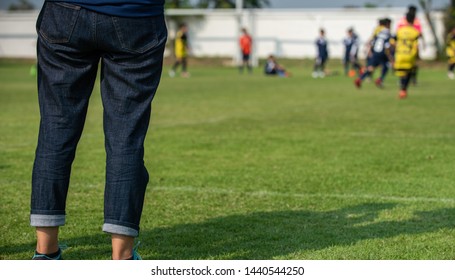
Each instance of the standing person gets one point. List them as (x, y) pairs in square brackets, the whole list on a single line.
[(417, 25), (450, 51), (75, 36), (351, 50), (403, 21), (322, 55), (380, 54), (406, 54), (246, 45), (181, 49)]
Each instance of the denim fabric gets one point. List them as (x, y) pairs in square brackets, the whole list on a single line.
[(72, 43), (121, 8)]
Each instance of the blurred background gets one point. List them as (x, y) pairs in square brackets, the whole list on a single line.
[(286, 28)]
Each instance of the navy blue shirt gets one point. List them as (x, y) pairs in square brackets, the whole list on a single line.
[(381, 43), (121, 8), (321, 44), (351, 45)]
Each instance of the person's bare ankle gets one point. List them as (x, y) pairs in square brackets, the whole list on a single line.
[(47, 240), (122, 247)]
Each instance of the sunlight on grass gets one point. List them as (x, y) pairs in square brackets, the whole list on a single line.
[(250, 167)]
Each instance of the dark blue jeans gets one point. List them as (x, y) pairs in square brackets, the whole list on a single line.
[(72, 43)]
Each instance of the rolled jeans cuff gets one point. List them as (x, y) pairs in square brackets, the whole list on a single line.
[(118, 229), (40, 220)]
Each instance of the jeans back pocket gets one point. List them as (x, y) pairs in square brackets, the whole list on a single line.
[(56, 21), (141, 34)]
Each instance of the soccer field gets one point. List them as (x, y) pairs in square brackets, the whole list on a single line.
[(252, 167)]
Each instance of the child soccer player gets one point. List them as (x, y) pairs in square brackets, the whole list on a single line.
[(369, 54), (322, 55), (246, 43), (272, 68), (380, 54), (450, 50), (417, 25), (351, 49), (406, 53), (181, 51)]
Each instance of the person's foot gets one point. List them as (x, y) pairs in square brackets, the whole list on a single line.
[(378, 83), (136, 256), (451, 75), (171, 73), (358, 83), (314, 75), (186, 75), (403, 94), (48, 257)]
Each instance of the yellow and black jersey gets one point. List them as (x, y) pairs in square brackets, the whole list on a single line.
[(450, 49), (181, 44), (406, 48)]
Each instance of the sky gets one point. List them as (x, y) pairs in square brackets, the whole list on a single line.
[(4, 4), (343, 3)]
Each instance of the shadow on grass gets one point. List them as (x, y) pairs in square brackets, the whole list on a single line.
[(265, 235), (262, 235)]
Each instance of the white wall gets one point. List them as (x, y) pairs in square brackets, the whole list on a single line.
[(285, 33), (292, 33), (302, 28), (18, 35)]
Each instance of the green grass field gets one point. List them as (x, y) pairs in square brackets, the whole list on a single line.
[(250, 167)]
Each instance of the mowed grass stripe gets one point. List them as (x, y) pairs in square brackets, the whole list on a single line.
[(259, 193)]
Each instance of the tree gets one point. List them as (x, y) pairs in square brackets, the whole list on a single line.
[(450, 16), (230, 4), (426, 6), (370, 5), (23, 5), (177, 4)]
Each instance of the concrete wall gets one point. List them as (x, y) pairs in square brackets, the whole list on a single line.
[(292, 33), (18, 35), (285, 33)]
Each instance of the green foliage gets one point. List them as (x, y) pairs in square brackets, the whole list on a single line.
[(23, 5), (253, 167), (370, 5), (177, 4), (450, 17), (426, 5)]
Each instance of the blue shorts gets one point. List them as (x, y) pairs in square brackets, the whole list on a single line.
[(378, 59)]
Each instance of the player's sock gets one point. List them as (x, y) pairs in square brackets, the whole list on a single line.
[(404, 82), (365, 74), (450, 73), (414, 75), (384, 71)]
